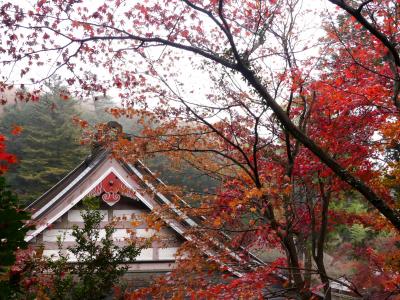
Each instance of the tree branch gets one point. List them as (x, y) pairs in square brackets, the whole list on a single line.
[(356, 13)]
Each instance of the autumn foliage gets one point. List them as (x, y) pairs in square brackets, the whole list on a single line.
[(7, 159), (301, 133)]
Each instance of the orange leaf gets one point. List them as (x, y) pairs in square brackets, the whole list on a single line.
[(16, 130)]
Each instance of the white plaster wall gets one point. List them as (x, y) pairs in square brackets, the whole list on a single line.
[(74, 215), (145, 233), (167, 253), (145, 254), (121, 234), (51, 235), (125, 214), (54, 255)]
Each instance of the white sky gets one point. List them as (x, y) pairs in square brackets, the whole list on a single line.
[(189, 76)]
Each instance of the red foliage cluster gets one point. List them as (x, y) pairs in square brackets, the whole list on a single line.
[(6, 159), (293, 141)]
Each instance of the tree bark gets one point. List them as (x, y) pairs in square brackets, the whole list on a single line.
[(343, 174)]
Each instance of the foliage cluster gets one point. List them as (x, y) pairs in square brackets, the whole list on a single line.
[(98, 264), (13, 227), (287, 131)]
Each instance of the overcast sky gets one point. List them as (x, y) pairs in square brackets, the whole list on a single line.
[(189, 76)]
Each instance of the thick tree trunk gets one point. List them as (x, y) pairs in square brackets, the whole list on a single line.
[(318, 253), (342, 173), (307, 267), (287, 240)]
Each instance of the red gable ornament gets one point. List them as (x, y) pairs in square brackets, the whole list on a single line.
[(111, 188)]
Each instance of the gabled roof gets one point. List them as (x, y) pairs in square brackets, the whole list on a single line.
[(72, 179), (100, 164), (75, 186)]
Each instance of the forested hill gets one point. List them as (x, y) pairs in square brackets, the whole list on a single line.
[(48, 146)]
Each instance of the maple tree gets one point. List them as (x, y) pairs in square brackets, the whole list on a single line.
[(6, 158), (286, 132)]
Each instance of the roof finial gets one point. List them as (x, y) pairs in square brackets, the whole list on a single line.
[(106, 133)]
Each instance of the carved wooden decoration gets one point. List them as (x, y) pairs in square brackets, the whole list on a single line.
[(111, 188)]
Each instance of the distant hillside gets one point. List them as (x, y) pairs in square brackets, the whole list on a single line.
[(48, 147)]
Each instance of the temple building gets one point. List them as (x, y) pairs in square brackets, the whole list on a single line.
[(127, 190)]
